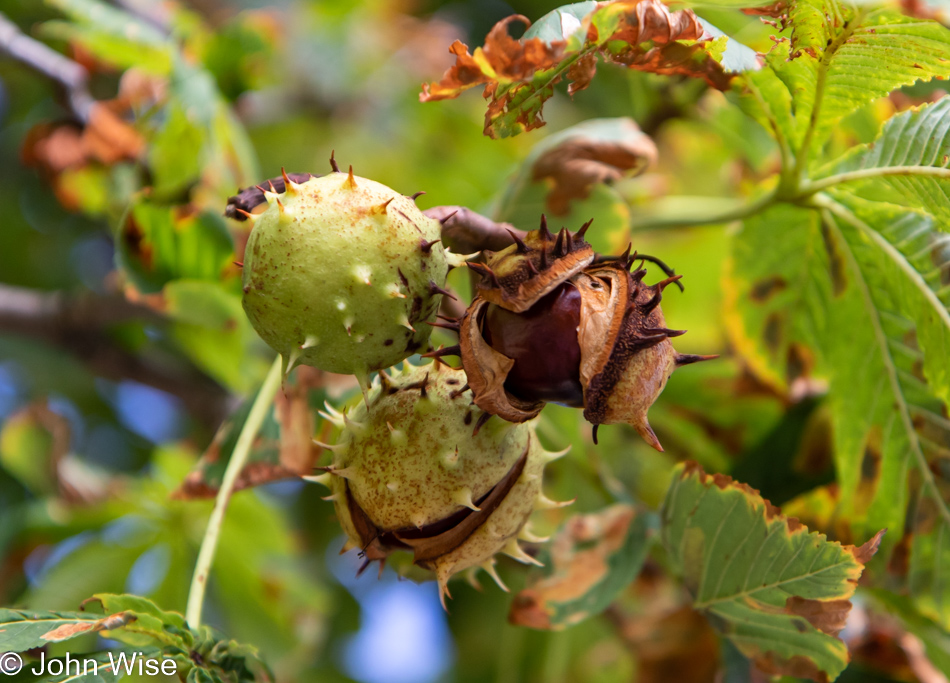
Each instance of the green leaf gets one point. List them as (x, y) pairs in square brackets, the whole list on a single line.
[(591, 559), (111, 35), (779, 593), (174, 155), (210, 326), (915, 144), (736, 57), (896, 332), (842, 57), (859, 291), (159, 243), (769, 292)]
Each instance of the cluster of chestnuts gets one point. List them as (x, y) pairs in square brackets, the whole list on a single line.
[(347, 275)]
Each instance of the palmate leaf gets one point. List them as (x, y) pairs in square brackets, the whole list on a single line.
[(841, 57), (779, 593), (770, 293), (906, 164), (860, 291), (902, 433)]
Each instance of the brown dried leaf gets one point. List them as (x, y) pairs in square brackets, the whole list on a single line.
[(581, 73), (503, 59), (105, 139), (677, 645), (519, 76), (579, 162), (67, 631), (579, 556), (776, 9)]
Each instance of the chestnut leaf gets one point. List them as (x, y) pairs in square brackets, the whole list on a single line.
[(776, 591)]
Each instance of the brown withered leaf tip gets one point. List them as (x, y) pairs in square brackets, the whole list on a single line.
[(510, 59), (67, 631), (577, 164), (647, 38)]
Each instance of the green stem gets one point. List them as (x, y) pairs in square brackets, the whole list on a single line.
[(824, 64), (239, 455), (736, 214), (865, 173)]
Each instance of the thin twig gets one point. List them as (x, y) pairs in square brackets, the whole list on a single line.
[(737, 214), (71, 75), (209, 544)]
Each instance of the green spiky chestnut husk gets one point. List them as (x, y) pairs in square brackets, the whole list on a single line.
[(409, 474), (343, 273)]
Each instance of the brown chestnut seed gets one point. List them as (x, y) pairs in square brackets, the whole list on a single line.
[(543, 344)]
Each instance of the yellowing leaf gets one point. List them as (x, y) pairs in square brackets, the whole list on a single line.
[(778, 592)]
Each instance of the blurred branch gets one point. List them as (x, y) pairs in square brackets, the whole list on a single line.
[(80, 325), (42, 58), (465, 231)]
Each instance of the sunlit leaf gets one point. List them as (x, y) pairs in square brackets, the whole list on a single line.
[(848, 56), (112, 35), (779, 593), (916, 141), (768, 290), (857, 292)]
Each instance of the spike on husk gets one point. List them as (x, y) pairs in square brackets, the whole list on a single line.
[(451, 499)]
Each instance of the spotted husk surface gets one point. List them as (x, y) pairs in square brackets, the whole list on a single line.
[(342, 273), (408, 474)]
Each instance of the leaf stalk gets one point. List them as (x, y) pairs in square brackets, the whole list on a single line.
[(239, 456)]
